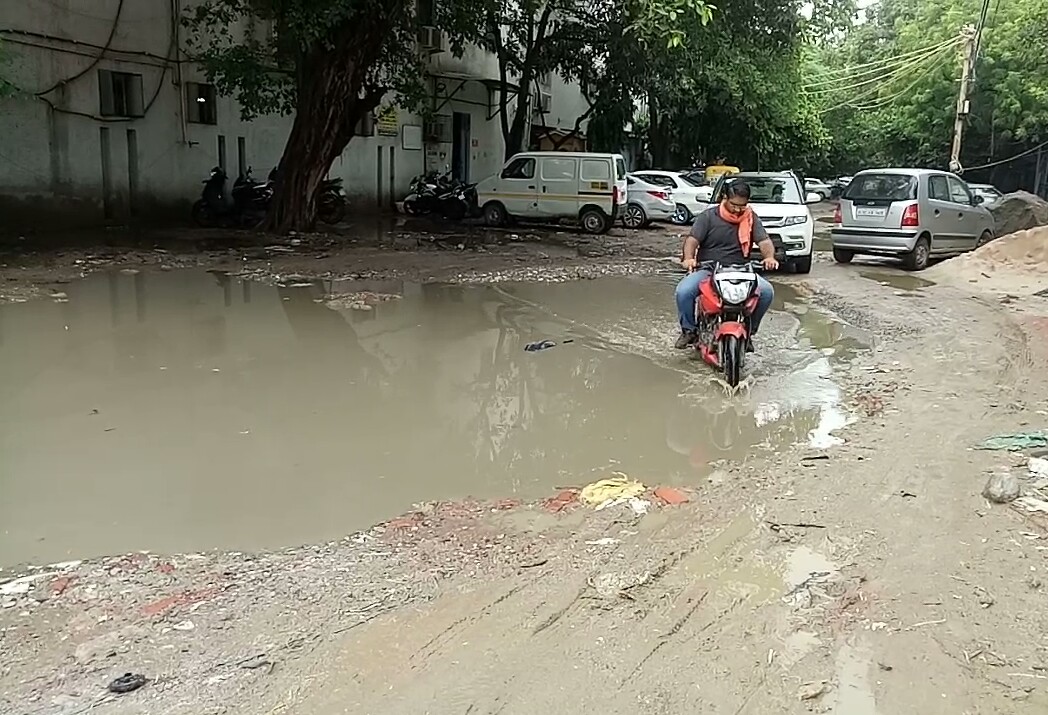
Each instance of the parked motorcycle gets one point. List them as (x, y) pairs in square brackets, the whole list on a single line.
[(331, 201), (434, 193), (245, 206), (331, 198), (723, 312)]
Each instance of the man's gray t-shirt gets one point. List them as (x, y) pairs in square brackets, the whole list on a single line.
[(719, 240)]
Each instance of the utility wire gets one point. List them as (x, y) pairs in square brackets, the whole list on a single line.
[(885, 101), (1010, 159), (879, 66), (883, 75), (882, 81)]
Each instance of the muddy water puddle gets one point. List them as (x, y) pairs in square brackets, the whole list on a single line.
[(190, 410)]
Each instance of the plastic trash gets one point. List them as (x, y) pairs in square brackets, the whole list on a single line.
[(543, 345), (609, 490), (1015, 442)]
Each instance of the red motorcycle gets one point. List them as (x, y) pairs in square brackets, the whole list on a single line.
[(726, 302)]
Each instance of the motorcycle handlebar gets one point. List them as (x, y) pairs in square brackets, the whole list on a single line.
[(756, 265)]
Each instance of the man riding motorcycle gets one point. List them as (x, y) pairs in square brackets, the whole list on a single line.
[(724, 234)]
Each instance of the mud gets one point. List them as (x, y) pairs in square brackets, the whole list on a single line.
[(865, 577)]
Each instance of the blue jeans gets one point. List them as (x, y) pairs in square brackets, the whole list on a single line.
[(688, 290)]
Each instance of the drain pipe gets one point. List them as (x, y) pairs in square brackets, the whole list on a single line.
[(176, 27)]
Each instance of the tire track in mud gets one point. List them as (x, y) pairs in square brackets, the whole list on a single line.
[(427, 650)]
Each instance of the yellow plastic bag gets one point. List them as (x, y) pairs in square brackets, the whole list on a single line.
[(618, 487)]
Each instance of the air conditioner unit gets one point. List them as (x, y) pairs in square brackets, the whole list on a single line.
[(541, 102), (432, 40), (437, 130)]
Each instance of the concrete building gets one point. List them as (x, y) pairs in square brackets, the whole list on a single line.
[(113, 124)]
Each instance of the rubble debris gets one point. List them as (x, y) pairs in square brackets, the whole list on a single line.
[(1019, 211), (671, 496), (1002, 487), (127, 683)]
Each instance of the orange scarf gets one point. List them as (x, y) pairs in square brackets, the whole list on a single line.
[(745, 223)]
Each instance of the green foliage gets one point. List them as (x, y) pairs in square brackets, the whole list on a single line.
[(732, 89), (905, 113), (259, 51)]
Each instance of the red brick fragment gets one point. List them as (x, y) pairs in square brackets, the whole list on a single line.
[(671, 496)]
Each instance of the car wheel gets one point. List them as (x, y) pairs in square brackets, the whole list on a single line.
[(594, 221), (917, 259), (681, 216), (634, 217), (802, 264), (842, 256), (495, 214), (985, 238)]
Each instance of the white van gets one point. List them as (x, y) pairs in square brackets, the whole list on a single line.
[(553, 185)]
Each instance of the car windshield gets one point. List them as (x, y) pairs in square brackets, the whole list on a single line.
[(882, 187), (692, 182), (767, 189)]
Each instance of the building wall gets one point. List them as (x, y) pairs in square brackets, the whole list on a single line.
[(61, 163)]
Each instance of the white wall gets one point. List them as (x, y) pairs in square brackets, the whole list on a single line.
[(51, 159)]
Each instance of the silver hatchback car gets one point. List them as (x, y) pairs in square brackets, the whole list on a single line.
[(912, 214)]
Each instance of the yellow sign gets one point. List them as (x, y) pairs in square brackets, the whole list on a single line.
[(386, 122)]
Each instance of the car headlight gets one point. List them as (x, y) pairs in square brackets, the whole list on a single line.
[(734, 292), (794, 220)]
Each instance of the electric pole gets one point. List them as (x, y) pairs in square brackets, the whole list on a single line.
[(971, 44)]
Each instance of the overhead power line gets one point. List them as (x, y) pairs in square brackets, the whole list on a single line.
[(879, 67), (1010, 159)]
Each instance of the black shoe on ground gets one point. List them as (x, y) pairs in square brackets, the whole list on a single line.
[(749, 345), (686, 340)]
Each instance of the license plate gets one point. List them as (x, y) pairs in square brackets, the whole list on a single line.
[(870, 212)]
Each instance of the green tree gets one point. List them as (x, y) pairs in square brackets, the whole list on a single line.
[(888, 88), (327, 63)]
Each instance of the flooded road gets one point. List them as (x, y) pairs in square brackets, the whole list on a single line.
[(191, 410)]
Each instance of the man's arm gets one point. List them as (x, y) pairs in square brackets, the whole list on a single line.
[(689, 252), (763, 241)]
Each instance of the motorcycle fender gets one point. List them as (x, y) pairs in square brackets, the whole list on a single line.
[(730, 328), (411, 197), (709, 301)]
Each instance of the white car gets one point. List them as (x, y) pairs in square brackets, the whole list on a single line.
[(782, 205), (814, 186), (690, 198), (646, 202)]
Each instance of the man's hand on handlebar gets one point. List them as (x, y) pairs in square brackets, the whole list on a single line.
[(770, 264), (690, 264)]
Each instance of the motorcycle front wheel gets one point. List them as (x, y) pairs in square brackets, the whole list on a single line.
[(332, 209), (732, 352), (203, 216), (411, 206)]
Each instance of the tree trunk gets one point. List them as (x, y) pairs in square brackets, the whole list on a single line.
[(332, 98)]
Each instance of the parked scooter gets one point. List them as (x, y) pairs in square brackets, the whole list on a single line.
[(245, 206)]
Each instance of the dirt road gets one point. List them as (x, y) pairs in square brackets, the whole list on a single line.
[(868, 578)]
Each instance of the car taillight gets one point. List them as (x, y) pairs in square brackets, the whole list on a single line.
[(837, 217), (615, 195), (910, 217), (658, 194)]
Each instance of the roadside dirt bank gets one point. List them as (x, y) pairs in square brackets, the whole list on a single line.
[(375, 249), (867, 578)]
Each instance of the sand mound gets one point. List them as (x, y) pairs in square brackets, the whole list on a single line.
[(1019, 211), (1016, 263)]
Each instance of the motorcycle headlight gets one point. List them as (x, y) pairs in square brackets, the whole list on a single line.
[(734, 291), (794, 220)]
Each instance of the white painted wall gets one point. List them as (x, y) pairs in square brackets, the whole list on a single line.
[(51, 159)]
